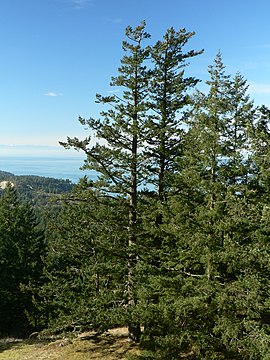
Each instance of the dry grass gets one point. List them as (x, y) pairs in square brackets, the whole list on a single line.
[(113, 345)]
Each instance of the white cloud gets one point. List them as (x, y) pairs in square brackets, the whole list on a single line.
[(259, 88), (114, 20), (53, 94), (117, 20), (80, 4)]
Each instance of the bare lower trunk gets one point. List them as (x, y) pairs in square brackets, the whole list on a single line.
[(134, 329), (134, 332)]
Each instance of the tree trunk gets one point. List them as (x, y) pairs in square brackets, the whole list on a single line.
[(134, 332)]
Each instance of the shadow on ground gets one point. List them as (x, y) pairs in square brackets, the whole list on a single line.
[(8, 344), (91, 346)]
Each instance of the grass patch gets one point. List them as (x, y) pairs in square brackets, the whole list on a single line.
[(112, 345)]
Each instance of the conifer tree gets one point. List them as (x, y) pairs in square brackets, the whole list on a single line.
[(207, 124), (215, 296), (169, 94), (169, 99), (141, 142), (143, 136), (185, 185), (119, 161), (22, 247), (236, 140), (260, 142), (85, 265)]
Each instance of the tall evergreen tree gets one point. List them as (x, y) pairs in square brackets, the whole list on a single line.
[(119, 161), (185, 185), (236, 138), (143, 138), (207, 125), (260, 141), (215, 297), (169, 94), (85, 265), (22, 247), (169, 99)]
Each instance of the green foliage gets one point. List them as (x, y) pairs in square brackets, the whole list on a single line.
[(169, 97), (207, 300), (22, 247), (85, 266), (38, 190), (173, 236)]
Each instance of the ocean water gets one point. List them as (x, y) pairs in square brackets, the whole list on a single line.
[(55, 167)]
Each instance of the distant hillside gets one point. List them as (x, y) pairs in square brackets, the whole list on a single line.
[(37, 189)]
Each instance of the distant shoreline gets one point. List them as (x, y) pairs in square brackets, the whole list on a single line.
[(57, 167)]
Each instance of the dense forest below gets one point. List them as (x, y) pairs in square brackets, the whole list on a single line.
[(36, 189), (171, 240)]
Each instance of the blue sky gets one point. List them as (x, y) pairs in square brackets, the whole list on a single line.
[(57, 54)]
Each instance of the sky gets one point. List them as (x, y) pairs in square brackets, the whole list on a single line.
[(57, 54)]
